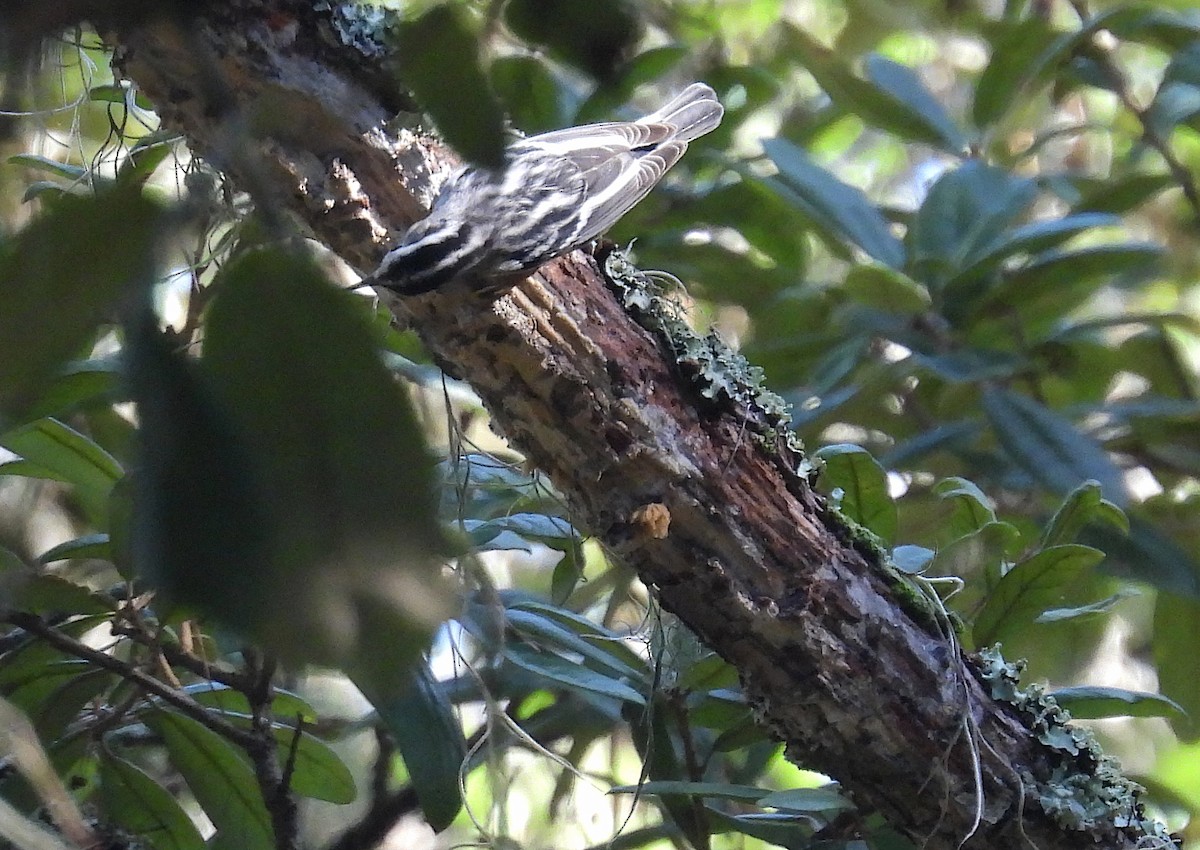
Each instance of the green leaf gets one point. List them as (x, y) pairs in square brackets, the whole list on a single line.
[(1081, 612), (841, 211), (429, 737), (963, 217), (1082, 505), (286, 707), (141, 806), (913, 560), (980, 552), (864, 486), (46, 593), (1019, 51), (64, 454), (1032, 238), (886, 289), (34, 162), (1091, 702), (78, 385), (593, 37), (59, 279), (534, 98), (220, 777), (585, 628), (455, 94), (807, 800), (319, 772), (546, 632), (1029, 588), (1058, 281), (1049, 447), (904, 87), (335, 448), (1176, 658), (1025, 55), (971, 508), (200, 530), (87, 546), (717, 790), (571, 675)]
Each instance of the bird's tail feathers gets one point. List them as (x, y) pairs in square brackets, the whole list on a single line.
[(693, 112)]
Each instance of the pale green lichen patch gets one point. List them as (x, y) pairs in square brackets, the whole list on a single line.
[(718, 373), (1086, 789), (363, 26)]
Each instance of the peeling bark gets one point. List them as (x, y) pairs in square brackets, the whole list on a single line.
[(736, 544)]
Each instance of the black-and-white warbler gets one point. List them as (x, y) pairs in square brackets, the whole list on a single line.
[(557, 191)]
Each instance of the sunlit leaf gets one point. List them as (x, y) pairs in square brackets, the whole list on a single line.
[(219, 775), (80, 258), (864, 486), (145, 808), (1030, 587)]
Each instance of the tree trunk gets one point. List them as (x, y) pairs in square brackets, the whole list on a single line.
[(666, 454)]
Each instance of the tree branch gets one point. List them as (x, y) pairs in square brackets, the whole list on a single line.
[(839, 657), (185, 704)]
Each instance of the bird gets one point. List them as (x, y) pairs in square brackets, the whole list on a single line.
[(555, 192)]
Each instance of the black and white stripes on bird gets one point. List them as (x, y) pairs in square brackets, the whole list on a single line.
[(556, 192)]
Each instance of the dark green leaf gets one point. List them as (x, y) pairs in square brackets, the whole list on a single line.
[(65, 455), (841, 211), (200, 529), (1082, 505), (144, 808), (717, 790), (220, 777), (886, 289), (535, 99), (1081, 612), (1032, 238), (571, 675), (455, 94), (1176, 658), (864, 486), (429, 737), (1091, 702), (78, 385), (1030, 587), (593, 37), (964, 216), (548, 633), (901, 84), (339, 454), (1024, 55), (87, 546), (807, 800), (59, 278), (35, 162), (1049, 447)]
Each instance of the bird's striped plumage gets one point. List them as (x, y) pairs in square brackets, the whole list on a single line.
[(557, 191)]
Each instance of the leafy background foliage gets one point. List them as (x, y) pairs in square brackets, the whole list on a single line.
[(961, 241)]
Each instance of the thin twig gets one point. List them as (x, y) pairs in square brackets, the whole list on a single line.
[(185, 704)]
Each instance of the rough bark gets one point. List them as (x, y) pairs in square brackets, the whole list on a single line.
[(833, 657)]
